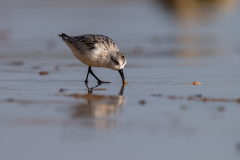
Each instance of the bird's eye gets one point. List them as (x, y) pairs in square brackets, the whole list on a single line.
[(116, 62)]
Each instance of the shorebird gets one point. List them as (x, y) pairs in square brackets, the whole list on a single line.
[(96, 51)]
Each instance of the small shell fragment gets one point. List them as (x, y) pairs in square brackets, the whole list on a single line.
[(43, 73), (195, 83)]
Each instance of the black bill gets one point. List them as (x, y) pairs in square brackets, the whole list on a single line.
[(122, 75)]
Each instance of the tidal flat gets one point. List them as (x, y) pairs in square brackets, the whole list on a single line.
[(59, 115)]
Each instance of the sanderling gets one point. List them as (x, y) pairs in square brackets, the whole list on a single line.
[(96, 51)]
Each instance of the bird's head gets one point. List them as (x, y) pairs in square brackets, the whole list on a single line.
[(117, 61)]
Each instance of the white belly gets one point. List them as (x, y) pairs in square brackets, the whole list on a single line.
[(90, 58)]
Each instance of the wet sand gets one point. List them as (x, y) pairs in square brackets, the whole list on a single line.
[(61, 117)]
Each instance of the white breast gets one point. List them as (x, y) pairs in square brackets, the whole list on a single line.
[(90, 58)]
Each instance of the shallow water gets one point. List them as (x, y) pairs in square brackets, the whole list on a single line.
[(157, 115), (101, 123)]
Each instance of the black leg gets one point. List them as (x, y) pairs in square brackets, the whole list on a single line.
[(89, 68), (90, 71)]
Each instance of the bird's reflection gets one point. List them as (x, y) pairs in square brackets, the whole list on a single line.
[(98, 110), (98, 105)]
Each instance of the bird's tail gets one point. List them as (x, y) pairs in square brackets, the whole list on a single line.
[(63, 36), (67, 39)]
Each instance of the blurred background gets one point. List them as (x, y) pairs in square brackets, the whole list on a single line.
[(185, 28)]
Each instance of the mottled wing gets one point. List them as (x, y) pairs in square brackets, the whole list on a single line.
[(90, 40), (86, 40), (107, 42)]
